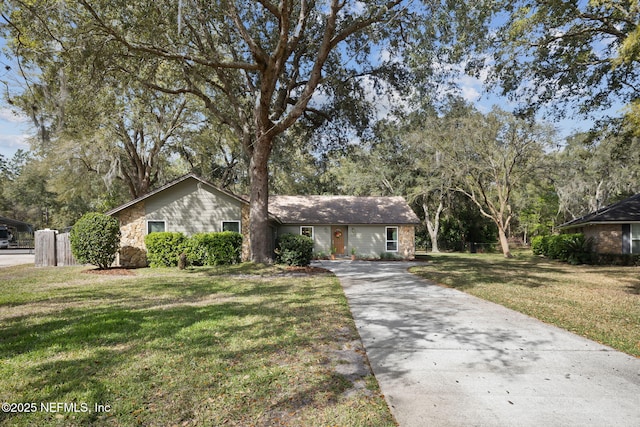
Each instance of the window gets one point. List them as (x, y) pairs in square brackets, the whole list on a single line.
[(155, 227), (306, 231), (392, 239), (635, 238), (231, 226)]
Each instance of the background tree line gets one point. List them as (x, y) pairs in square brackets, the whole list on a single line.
[(325, 98)]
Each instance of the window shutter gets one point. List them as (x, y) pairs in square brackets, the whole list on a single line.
[(626, 238)]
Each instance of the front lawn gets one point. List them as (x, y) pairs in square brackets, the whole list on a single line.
[(600, 303), (245, 345)]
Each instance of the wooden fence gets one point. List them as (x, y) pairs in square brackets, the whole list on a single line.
[(53, 249)]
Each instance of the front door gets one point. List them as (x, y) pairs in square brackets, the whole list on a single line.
[(337, 239)]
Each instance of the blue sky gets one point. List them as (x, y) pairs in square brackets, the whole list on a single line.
[(14, 127), (14, 131)]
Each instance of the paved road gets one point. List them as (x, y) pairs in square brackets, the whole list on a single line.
[(445, 358), (9, 257)]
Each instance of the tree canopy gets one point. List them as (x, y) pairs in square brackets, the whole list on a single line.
[(258, 67), (570, 56)]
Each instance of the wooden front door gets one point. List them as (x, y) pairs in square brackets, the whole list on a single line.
[(337, 239)]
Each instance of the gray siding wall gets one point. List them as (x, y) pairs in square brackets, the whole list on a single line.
[(191, 207), (321, 236), (368, 240)]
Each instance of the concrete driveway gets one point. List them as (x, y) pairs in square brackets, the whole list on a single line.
[(445, 358), (10, 257)]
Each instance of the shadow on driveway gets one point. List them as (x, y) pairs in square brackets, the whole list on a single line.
[(445, 358)]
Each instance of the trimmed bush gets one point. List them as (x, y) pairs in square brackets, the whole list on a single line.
[(571, 248), (164, 248), (540, 245), (214, 248), (95, 239), (556, 247), (294, 249)]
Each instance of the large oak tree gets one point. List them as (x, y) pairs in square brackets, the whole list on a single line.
[(257, 66)]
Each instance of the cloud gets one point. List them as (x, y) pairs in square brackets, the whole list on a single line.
[(11, 116), (10, 143), (13, 132), (470, 88)]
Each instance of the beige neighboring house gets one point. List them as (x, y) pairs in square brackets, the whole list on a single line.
[(367, 226), (615, 229)]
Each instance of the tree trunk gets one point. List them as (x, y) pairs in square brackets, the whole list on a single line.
[(504, 243), (259, 204), (433, 227)]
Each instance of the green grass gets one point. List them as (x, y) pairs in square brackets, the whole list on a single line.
[(243, 345), (597, 302)]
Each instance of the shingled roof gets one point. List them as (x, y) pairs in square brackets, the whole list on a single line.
[(315, 209), (624, 211), (341, 210)]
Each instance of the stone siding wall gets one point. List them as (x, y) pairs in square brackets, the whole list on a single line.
[(133, 252), (407, 241), (607, 237)]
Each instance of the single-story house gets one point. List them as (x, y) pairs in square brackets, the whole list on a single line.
[(367, 226), (615, 229)]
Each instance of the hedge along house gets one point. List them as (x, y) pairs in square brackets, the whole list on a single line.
[(368, 225), (615, 229)]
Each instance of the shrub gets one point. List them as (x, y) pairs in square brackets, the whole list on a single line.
[(579, 249), (293, 249), (95, 239), (540, 245), (571, 248), (556, 248), (164, 248), (389, 256), (214, 248)]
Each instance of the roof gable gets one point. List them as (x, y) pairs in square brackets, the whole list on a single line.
[(624, 211), (341, 210), (172, 184)]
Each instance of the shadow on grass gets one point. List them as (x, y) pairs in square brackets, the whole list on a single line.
[(633, 287), (464, 271), (121, 354)]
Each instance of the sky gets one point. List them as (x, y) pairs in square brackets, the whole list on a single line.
[(14, 130), (14, 127)]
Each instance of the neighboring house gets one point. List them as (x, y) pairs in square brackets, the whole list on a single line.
[(615, 229), (368, 226)]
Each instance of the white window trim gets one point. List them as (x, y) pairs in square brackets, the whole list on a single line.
[(313, 231), (386, 240), (231, 220), (631, 237), (155, 220)]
